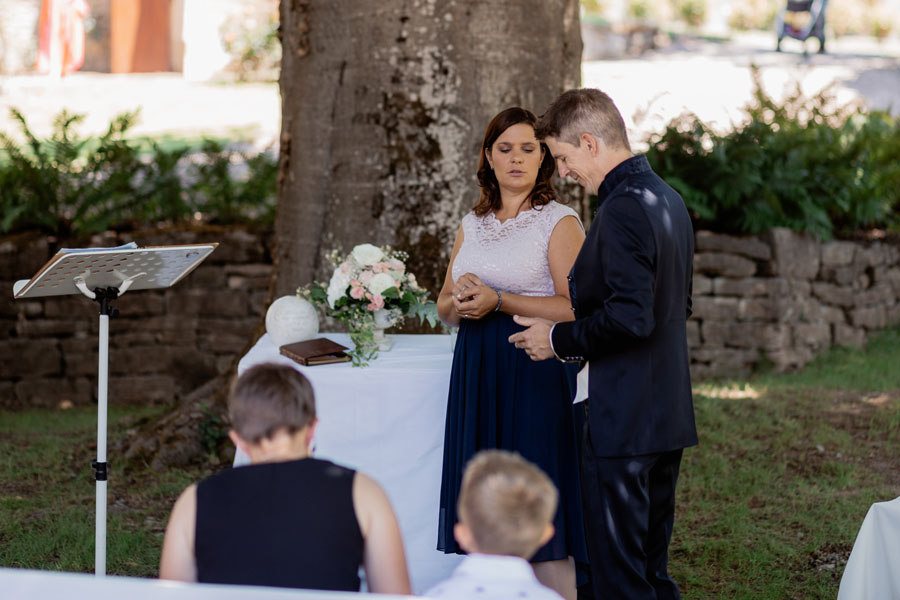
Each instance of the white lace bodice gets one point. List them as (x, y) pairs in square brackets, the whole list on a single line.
[(511, 256)]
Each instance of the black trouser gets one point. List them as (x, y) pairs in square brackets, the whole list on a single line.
[(629, 508)]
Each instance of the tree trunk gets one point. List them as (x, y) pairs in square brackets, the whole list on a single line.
[(384, 105)]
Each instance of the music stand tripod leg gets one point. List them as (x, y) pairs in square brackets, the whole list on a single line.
[(104, 297)]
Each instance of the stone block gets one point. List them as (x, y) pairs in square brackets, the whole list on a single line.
[(727, 361), (835, 295), (850, 337), (206, 303), (191, 368), (749, 286), (250, 271), (715, 333), (838, 254), (250, 328), (123, 341), (873, 255), (769, 336), (224, 363), (843, 276), (702, 285), (141, 389), (725, 265), (693, 334), (8, 306), (21, 256), (257, 303), (790, 359), (701, 372), (237, 246), (891, 276), (872, 317), (755, 309), (893, 315), (880, 293), (79, 356), (143, 304), (70, 307), (224, 342), (794, 256), (208, 276), (140, 359), (715, 308), (28, 357), (42, 328), (816, 336), (751, 247), (8, 395), (49, 392)]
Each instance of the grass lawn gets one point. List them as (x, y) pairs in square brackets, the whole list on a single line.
[(769, 503)]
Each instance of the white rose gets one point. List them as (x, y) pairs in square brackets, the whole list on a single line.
[(380, 282), (337, 287), (366, 254)]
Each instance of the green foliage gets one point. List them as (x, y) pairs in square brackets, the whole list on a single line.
[(692, 12), (68, 184), (809, 164)]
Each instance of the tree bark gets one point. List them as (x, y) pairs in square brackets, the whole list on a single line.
[(383, 108)]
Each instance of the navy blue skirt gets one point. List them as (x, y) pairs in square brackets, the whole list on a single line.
[(499, 398)]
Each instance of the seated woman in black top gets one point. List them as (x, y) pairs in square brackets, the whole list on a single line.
[(287, 519)]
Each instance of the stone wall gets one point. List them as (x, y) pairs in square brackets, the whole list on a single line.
[(784, 297), (781, 298), (163, 343)]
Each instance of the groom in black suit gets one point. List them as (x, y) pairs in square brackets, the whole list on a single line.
[(631, 293)]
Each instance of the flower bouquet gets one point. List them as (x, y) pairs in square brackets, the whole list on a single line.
[(370, 290)]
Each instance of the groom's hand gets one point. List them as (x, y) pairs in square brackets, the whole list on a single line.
[(535, 340)]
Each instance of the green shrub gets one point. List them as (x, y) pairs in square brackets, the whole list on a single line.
[(809, 164), (72, 185)]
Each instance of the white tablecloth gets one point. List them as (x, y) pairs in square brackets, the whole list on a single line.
[(387, 420), (873, 570), (24, 584)]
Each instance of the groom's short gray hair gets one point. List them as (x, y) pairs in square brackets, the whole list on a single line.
[(584, 110)]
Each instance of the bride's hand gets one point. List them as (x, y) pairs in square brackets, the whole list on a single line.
[(477, 301), (464, 286)]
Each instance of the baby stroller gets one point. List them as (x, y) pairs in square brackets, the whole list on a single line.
[(815, 27)]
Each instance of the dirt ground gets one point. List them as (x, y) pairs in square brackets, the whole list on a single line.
[(711, 79)]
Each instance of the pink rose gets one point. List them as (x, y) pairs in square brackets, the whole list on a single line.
[(366, 276), (377, 302), (355, 282), (397, 265), (357, 292), (345, 267)]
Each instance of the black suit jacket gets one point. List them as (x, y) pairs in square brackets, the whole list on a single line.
[(631, 293)]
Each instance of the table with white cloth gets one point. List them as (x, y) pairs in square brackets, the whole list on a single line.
[(873, 570), (387, 421)]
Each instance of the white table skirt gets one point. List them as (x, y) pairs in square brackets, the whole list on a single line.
[(387, 420), (873, 570)]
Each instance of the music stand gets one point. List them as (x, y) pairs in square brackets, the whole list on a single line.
[(104, 274)]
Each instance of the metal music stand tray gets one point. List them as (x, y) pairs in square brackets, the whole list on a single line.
[(104, 274)]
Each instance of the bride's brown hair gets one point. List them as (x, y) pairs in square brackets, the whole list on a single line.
[(543, 191)]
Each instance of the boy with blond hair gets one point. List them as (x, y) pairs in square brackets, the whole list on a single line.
[(506, 510)]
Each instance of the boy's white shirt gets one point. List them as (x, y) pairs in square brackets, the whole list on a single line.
[(492, 577)]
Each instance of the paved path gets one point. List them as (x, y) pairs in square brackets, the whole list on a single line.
[(708, 78), (713, 80)]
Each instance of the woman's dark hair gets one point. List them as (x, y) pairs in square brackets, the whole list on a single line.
[(543, 191)]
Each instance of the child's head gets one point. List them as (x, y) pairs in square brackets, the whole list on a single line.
[(268, 398), (506, 505)]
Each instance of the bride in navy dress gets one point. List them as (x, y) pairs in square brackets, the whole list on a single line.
[(511, 256)]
